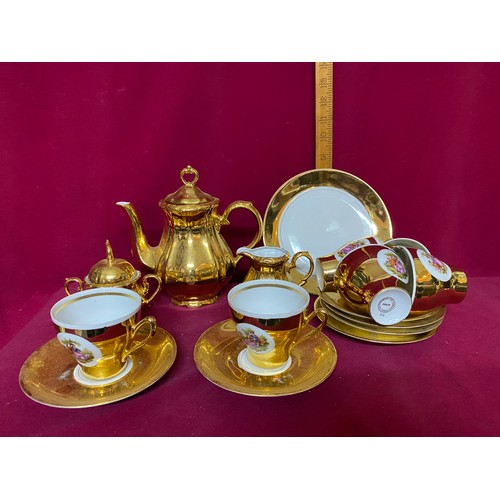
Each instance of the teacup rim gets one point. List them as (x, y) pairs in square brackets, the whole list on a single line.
[(266, 282), (60, 304)]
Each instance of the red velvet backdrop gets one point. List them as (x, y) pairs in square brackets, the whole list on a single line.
[(76, 138)]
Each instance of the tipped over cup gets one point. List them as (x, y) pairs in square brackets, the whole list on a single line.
[(373, 280)]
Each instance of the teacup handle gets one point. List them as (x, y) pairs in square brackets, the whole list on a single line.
[(293, 263), (144, 289), (322, 314), (248, 206), (79, 287), (131, 332)]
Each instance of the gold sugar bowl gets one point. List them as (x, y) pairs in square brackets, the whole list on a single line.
[(113, 272)]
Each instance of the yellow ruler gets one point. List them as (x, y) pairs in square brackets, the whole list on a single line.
[(324, 114)]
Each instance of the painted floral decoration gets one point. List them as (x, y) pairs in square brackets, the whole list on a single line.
[(252, 339), (81, 354), (350, 247), (436, 263), (395, 266)]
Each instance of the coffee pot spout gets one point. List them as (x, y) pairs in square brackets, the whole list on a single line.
[(140, 247)]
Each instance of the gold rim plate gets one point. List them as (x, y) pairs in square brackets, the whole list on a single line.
[(47, 375), (216, 353), (293, 206), (377, 338)]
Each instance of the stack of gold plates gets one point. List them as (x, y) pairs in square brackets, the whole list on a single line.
[(342, 319)]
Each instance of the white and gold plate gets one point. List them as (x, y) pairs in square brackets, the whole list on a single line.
[(47, 376), (216, 357), (319, 211)]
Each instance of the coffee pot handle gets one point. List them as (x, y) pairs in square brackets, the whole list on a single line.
[(293, 263), (248, 206)]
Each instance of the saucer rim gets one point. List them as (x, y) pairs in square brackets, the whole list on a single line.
[(161, 368), (365, 335), (231, 386)]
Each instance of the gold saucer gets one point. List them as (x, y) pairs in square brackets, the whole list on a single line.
[(216, 357), (350, 330), (47, 375), (403, 327), (333, 301)]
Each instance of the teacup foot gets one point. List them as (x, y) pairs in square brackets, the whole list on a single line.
[(245, 364), (84, 379)]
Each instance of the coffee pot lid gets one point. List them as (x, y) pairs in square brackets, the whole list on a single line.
[(111, 271), (188, 198)]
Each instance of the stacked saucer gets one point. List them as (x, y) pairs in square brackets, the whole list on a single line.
[(343, 319)]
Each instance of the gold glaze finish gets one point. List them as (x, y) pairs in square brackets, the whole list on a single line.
[(192, 258), (345, 327), (113, 272), (216, 353), (115, 350), (360, 276), (310, 179), (429, 291), (47, 375), (273, 263)]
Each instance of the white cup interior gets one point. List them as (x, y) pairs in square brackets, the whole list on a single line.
[(390, 306), (96, 308), (266, 299)]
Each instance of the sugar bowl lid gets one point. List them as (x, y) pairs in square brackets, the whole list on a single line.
[(111, 271), (188, 198)]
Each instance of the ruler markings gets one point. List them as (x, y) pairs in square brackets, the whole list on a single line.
[(324, 114)]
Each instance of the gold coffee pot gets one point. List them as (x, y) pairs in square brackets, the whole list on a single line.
[(192, 258), (112, 272)]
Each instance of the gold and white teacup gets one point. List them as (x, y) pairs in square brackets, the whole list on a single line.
[(327, 265), (271, 316), (436, 284), (100, 329)]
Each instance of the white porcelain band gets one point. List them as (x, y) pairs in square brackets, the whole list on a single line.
[(95, 308), (267, 299)]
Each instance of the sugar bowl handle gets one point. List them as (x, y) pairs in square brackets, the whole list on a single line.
[(79, 285), (144, 289)]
